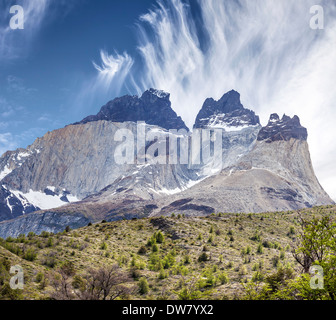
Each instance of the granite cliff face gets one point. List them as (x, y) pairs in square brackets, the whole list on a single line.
[(72, 177), (77, 160)]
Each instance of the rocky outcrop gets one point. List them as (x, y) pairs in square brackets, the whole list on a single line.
[(227, 113), (153, 107), (276, 174), (282, 129)]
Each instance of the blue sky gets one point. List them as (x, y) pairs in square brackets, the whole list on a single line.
[(73, 56), (52, 59)]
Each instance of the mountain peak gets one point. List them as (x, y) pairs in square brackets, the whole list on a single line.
[(230, 101), (274, 117), (283, 129), (153, 107), (154, 93), (228, 112)]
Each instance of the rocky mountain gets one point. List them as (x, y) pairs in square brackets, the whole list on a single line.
[(229, 163), (285, 129), (153, 108), (227, 113)]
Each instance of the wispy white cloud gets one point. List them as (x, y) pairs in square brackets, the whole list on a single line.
[(112, 72), (259, 48)]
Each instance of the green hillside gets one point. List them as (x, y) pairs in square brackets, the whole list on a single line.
[(225, 256)]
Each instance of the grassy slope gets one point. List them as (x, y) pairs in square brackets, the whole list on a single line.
[(123, 239)]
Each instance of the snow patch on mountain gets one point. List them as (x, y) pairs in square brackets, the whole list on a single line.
[(45, 201), (5, 172), (22, 155), (218, 121), (189, 184), (159, 93)]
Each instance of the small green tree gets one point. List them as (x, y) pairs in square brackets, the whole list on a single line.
[(103, 246), (211, 239), (30, 254), (159, 237), (50, 242), (143, 286), (260, 249), (187, 259), (223, 278), (318, 247), (257, 277), (190, 290), (142, 250), (203, 257), (162, 274)]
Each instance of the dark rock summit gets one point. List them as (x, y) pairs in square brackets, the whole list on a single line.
[(153, 107), (283, 129), (226, 112)]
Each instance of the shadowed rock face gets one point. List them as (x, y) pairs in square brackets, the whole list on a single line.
[(153, 107), (283, 129), (226, 112)]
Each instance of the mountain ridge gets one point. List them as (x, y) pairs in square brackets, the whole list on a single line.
[(73, 170), (153, 107)]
